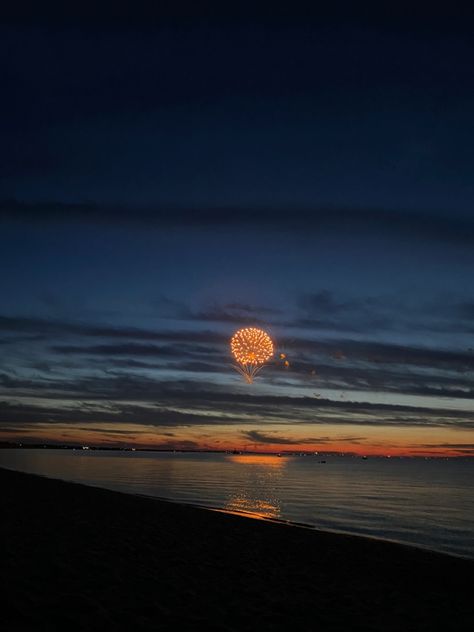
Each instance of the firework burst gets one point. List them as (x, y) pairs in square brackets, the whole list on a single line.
[(251, 348)]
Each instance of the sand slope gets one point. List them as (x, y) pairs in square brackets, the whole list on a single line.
[(81, 558)]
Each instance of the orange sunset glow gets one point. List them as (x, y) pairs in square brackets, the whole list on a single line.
[(367, 440)]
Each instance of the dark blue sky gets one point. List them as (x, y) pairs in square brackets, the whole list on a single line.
[(165, 178), (248, 114)]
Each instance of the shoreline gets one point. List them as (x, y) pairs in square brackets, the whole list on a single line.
[(252, 516), (80, 557)]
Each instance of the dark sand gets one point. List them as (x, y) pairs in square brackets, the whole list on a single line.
[(81, 558)]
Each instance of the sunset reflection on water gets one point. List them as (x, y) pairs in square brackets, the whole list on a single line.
[(262, 472), (263, 460), (257, 507)]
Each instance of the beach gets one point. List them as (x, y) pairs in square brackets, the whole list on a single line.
[(81, 558)]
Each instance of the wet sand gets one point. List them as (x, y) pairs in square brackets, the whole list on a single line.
[(82, 558)]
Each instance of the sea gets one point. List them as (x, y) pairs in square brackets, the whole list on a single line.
[(427, 503)]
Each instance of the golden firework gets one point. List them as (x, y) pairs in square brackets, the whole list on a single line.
[(251, 348)]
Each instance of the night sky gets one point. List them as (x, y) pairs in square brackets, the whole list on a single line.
[(166, 179)]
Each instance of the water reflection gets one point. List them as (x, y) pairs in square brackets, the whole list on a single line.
[(264, 460), (260, 480), (257, 507), (419, 502)]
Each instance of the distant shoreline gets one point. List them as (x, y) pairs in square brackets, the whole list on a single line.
[(46, 446)]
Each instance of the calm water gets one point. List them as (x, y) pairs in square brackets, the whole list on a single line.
[(427, 503)]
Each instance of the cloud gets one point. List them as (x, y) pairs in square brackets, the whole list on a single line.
[(324, 310), (159, 377), (20, 416), (235, 313), (466, 446), (260, 437), (134, 350), (52, 327), (140, 400), (342, 363), (367, 351), (373, 378), (353, 221), (387, 353), (463, 449)]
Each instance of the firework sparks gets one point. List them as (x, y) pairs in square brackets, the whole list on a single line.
[(251, 348)]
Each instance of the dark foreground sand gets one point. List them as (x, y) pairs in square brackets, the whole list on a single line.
[(80, 558)]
